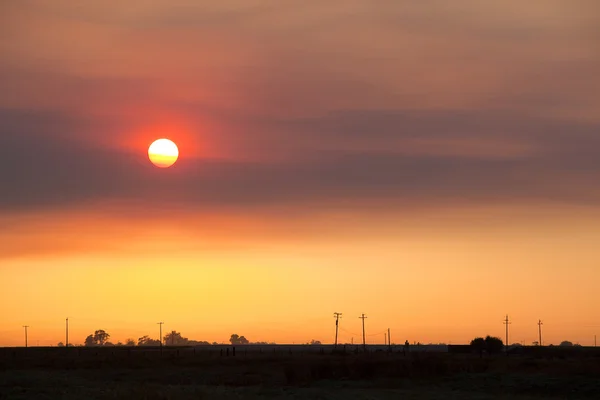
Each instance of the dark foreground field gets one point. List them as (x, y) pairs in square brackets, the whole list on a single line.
[(109, 374)]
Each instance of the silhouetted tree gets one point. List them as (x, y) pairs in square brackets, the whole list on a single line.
[(197, 343), (61, 344), (100, 337), (490, 344), (566, 343), (315, 342), (108, 344), (174, 338), (493, 345), (89, 341), (147, 341), (236, 339), (130, 342), (478, 345)]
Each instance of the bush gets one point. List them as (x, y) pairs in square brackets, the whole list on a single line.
[(491, 345), (478, 344)]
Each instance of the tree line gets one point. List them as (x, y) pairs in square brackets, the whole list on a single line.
[(494, 345), (102, 338)]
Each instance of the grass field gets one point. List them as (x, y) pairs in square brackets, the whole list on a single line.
[(106, 374)]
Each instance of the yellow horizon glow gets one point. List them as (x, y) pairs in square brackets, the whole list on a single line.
[(425, 280), (163, 153)]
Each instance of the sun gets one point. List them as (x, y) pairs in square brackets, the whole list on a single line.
[(163, 153)]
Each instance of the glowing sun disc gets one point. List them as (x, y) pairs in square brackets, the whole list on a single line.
[(163, 153)]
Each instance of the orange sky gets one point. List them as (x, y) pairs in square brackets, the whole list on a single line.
[(443, 277), (434, 167)]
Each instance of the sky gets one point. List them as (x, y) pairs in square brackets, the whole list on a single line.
[(432, 164)]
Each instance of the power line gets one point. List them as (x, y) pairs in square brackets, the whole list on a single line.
[(376, 334), (351, 333), (337, 316), (363, 316)]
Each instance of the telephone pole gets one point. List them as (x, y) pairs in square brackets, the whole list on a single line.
[(337, 316), (389, 340), (25, 326), (363, 316), (160, 333), (506, 322), (540, 330), (67, 333)]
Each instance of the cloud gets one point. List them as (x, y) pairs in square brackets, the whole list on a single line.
[(313, 104), (42, 168)]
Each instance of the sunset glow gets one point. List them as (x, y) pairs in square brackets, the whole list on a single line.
[(434, 167)]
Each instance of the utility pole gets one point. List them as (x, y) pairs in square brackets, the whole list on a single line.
[(25, 326), (160, 338), (337, 316), (384, 338), (594, 340), (389, 339), (540, 330), (363, 316), (506, 322), (67, 333)]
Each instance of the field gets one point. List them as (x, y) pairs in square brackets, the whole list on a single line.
[(293, 372)]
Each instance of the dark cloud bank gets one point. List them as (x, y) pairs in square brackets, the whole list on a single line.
[(45, 164)]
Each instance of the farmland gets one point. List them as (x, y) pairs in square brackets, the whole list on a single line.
[(299, 372)]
